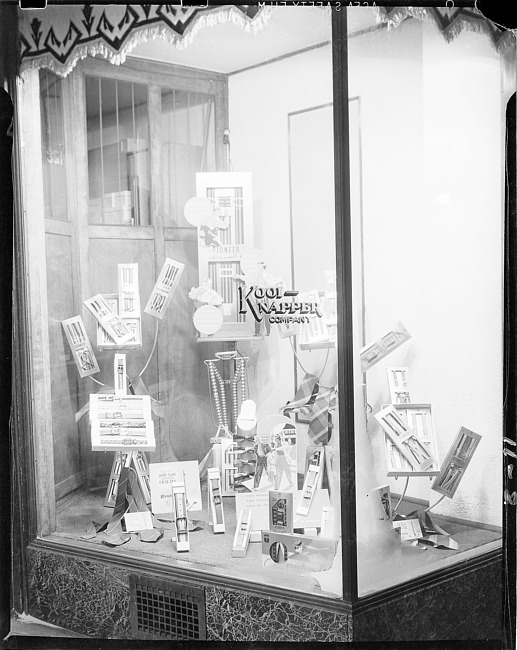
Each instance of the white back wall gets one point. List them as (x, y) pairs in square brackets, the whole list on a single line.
[(431, 135), (260, 101), (432, 140)]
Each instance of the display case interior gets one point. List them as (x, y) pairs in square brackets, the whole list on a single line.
[(192, 324), (199, 288), (429, 341)]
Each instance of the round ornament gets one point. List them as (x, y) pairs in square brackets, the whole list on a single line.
[(208, 319), (199, 210)]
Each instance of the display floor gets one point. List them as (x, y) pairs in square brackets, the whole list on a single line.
[(381, 566), (378, 568), (209, 552)]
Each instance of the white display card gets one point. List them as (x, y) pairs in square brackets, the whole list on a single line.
[(134, 324), (258, 504), (404, 438), (119, 374), (80, 346), (215, 502), (121, 423), (409, 529), (180, 515), (165, 286), (328, 522), (106, 406), (242, 534), (163, 475), (373, 352), (225, 237), (128, 291), (398, 382), (116, 329), (135, 521), (419, 420), (313, 517), (456, 462)]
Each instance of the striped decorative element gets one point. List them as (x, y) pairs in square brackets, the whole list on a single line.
[(121, 506), (317, 403), (305, 396)]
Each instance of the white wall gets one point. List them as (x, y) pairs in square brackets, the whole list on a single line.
[(432, 155), (259, 102), (431, 135)]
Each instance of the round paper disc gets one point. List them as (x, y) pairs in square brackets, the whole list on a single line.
[(208, 319), (198, 210)]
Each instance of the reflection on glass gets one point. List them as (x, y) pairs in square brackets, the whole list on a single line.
[(431, 259), (188, 147), (118, 152), (53, 146)]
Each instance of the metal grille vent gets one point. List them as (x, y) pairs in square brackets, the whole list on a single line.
[(162, 610)]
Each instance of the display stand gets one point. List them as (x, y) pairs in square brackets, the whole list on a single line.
[(230, 452), (138, 461)]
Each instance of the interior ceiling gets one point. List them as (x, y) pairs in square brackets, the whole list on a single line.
[(227, 48)]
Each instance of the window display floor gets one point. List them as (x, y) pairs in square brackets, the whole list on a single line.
[(390, 566), (209, 552), (213, 553)]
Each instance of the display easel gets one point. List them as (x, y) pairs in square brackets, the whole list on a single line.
[(119, 330), (138, 461)]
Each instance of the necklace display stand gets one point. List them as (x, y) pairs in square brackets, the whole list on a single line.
[(228, 380)]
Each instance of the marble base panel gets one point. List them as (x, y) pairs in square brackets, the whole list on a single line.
[(92, 598), (237, 616), (86, 597), (467, 606)]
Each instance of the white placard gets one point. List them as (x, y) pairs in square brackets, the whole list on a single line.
[(258, 503), (373, 352), (398, 382), (136, 521), (163, 475), (80, 345), (409, 529), (313, 518), (165, 286)]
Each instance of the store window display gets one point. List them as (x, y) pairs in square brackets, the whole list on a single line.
[(217, 297), (175, 318)]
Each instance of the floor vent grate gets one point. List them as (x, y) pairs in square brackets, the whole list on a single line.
[(165, 610)]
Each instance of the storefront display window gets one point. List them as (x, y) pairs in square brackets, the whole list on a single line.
[(429, 415), (193, 356), (265, 295)]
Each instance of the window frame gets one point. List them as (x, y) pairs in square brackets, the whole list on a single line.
[(33, 439)]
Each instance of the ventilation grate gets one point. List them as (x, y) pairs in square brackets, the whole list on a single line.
[(164, 610)]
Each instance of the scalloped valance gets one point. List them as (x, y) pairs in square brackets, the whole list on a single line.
[(450, 21), (59, 36)]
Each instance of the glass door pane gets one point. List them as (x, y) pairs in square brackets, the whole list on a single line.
[(53, 145), (428, 306)]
